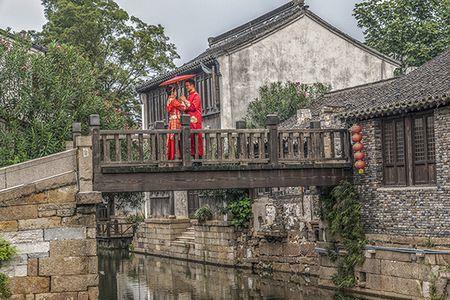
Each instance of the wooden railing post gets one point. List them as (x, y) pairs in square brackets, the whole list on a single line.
[(186, 140), (76, 132), (240, 143), (315, 140), (94, 126), (272, 125)]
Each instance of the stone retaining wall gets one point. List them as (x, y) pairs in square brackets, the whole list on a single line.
[(53, 229), (398, 272)]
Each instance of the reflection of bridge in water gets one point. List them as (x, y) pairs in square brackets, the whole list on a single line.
[(136, 160)]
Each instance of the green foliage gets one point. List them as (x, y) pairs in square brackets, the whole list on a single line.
[(135, 219), (41, 96), (342, 210), (283, 99), (122, 48), (241, 212), (7, 252), (203, 214), (411, 31)]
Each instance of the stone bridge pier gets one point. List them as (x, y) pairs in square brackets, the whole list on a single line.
[(47, 212)]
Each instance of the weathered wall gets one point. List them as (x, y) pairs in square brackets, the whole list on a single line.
[(396, 272), (421, 211), (53, 230), (305, 52)]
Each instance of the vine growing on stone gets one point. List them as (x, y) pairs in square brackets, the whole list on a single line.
[(7, 252), (341, 209)]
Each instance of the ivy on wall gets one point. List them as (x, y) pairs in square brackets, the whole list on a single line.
[(341, 209), (7, 252)]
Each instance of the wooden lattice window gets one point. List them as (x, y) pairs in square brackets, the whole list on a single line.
[(409, 150)]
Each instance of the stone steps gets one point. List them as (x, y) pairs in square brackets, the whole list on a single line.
[(186, 238)]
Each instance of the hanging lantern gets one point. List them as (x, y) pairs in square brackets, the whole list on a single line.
[(356, 128), (359, 155), (357, 137), (360, 164), (358, 147)]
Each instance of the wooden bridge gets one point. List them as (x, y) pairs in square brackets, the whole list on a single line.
[(136, 160)]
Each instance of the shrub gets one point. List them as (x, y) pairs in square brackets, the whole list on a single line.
[(7, 253), (135, 219), (203, 214), (241, 212), (342, 210)]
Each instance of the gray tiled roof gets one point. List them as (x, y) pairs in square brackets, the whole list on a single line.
[(250, 32), (425, 87)]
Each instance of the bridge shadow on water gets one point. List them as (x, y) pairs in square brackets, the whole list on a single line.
[(125, 276)]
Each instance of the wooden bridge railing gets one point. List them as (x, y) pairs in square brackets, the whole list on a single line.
[(221, 146), (114, 229)]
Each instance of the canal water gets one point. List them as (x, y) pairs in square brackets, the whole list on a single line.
[(125, 276)]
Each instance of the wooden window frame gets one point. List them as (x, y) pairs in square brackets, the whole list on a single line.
[(410, 164)]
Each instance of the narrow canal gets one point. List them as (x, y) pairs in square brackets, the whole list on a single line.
[(125, 276)]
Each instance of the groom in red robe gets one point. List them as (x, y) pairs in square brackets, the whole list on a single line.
[(194, 108)]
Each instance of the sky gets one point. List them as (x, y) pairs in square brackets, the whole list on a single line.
[(189, 23)]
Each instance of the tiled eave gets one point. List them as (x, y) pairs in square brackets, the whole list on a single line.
[(398, 108)]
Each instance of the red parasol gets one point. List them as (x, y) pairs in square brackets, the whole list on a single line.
[(177, 79)]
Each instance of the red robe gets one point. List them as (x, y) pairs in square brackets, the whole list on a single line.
[(174, 109), (195, 112)]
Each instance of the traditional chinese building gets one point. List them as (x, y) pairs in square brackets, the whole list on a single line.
[(290, 43)]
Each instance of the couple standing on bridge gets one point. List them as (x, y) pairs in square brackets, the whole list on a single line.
[(176, 106)]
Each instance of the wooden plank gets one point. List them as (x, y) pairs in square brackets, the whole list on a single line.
[(106, 150), (207, 147), (141, 147), (220, 179), (332, 146), (118, 147), (291, 145), (251, 138), (129, 148)]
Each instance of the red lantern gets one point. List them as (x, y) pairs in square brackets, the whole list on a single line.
[(360, 165), (357, 137), (358, 147), (359, 155), (356, 128)]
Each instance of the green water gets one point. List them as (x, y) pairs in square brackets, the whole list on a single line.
[(130, 277)]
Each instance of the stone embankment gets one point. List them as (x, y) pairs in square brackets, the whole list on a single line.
[(47, 212)]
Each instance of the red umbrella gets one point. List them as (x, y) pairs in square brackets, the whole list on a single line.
[(177, 79)]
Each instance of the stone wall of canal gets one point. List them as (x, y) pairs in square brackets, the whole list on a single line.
[(286, 239)]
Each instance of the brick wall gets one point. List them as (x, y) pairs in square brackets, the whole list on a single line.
[(406, 211), (53, 230)]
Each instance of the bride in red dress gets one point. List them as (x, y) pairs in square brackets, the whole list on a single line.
[(174, 109)]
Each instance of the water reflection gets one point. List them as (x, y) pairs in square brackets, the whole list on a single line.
[(138, 277)]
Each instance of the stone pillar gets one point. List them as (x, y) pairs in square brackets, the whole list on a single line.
[(181, 204)]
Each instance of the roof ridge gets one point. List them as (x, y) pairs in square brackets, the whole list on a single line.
[(365, 85), (223, 36)]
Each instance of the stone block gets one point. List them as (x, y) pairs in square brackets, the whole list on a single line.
[(22, 212), (91, 233), (79, 220), (404, 269), (83, 296), (59, 234), (40, 223), (370, 266), (62, 195), (89, 198), (37, 198), (27, 236), (73, 283), (31, 248), (63, 266), (93, 293), (57, 296), (69, 248), (410, 287), (9, 226), (327, 273), (32, 267), (390, 255), (30, 284)]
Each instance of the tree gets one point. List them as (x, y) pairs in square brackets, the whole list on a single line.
[(122, 48), (411, 31), (284, 99), (41, 95)]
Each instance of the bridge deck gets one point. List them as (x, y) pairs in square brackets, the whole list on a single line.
[(237, 158)]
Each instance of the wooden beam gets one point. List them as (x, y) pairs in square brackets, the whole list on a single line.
[(131, 179)]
